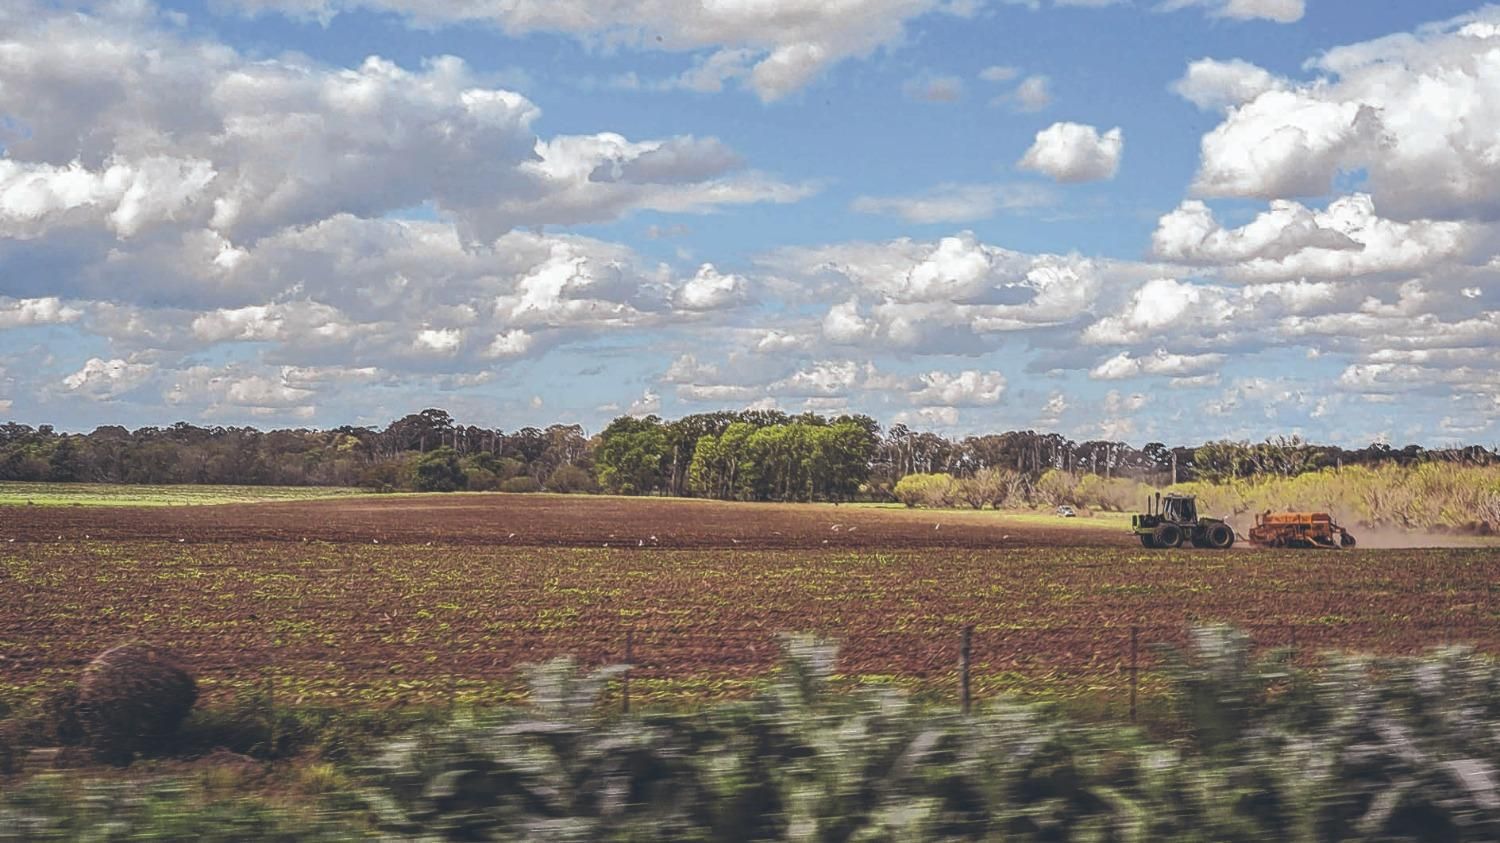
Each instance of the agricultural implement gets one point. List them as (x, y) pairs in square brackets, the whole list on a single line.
[(1299, 529), (1174, 521)]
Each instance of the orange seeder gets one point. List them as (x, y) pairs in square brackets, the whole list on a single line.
[(1299, 529)]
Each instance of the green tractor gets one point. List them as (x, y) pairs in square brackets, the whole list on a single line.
[(1175, 521)]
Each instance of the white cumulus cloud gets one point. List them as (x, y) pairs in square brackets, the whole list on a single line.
[(1073, 152)]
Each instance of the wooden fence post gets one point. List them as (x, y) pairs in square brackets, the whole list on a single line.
[(625, 678), (1135, 634), (963, 667)]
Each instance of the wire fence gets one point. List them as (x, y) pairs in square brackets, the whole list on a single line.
[(961, 661)]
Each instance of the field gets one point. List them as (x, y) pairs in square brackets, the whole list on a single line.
[(101, 494), (428, 598)]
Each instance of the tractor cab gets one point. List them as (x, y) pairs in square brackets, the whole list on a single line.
[(1179, 509)]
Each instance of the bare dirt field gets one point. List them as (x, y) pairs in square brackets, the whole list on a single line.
[(554, 521), (407, 599)]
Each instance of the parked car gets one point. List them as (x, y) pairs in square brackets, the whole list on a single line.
[(1066, 511)]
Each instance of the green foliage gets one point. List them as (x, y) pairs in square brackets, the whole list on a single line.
[(440, 471), (571, 480), (929, 490), (1395, 749), (1270, 754), (630, 455), (797, 461), (54, 807), (523, 484)]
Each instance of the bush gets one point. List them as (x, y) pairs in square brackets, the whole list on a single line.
[(929, 490), (522, 484), (1056, 487), (570, 479), (439, 471), (993, 486)]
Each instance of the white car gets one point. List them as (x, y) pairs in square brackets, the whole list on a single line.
[(1066, 511)]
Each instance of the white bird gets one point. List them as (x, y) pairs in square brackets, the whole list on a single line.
[(653, 538), (736, 541), (834, 528), (825, 541), (1004, 537), (937, 526), (511, 536), (640, 542), (179, 541), (376, 541), (852, 529)]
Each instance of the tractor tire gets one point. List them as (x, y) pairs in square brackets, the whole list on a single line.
[(1168, 535), (1147, 540), (1346, 540), (1219, 536)]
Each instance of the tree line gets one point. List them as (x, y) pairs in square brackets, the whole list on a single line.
[(733, 455)]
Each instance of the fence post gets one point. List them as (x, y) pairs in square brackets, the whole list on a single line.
[(1135, 634), (271, 714), (963, 667), (625, 678)]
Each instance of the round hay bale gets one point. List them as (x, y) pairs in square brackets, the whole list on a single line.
[(130, 696)]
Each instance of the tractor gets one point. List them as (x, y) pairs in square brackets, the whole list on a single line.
[(1174, 520)]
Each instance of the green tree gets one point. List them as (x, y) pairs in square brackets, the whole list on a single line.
[(630, 456), (440, 471)]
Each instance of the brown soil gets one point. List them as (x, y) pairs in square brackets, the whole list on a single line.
[(547, 520), (449, 601)]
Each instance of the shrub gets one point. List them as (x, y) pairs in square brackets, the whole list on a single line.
[(521, 484), (1057, 487), (439, 471), (993, 486), (929, 490), (131, 696), (570, 479)]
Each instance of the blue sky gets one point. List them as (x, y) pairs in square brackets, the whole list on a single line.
[(1140, 220)]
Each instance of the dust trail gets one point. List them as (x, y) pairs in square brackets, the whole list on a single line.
[(1388, 538), (1391, 538)]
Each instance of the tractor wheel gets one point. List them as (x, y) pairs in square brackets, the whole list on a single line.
[(1168, 535), (1219, 536), (1147, 540), (1346, 540)]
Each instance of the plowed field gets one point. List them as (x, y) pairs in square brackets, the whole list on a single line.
[(407, 599), (549, 520)]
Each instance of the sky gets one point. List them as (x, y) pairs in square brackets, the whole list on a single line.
[(1145, 220)]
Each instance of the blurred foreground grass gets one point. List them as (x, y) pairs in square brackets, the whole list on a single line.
[(1394, 749)]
